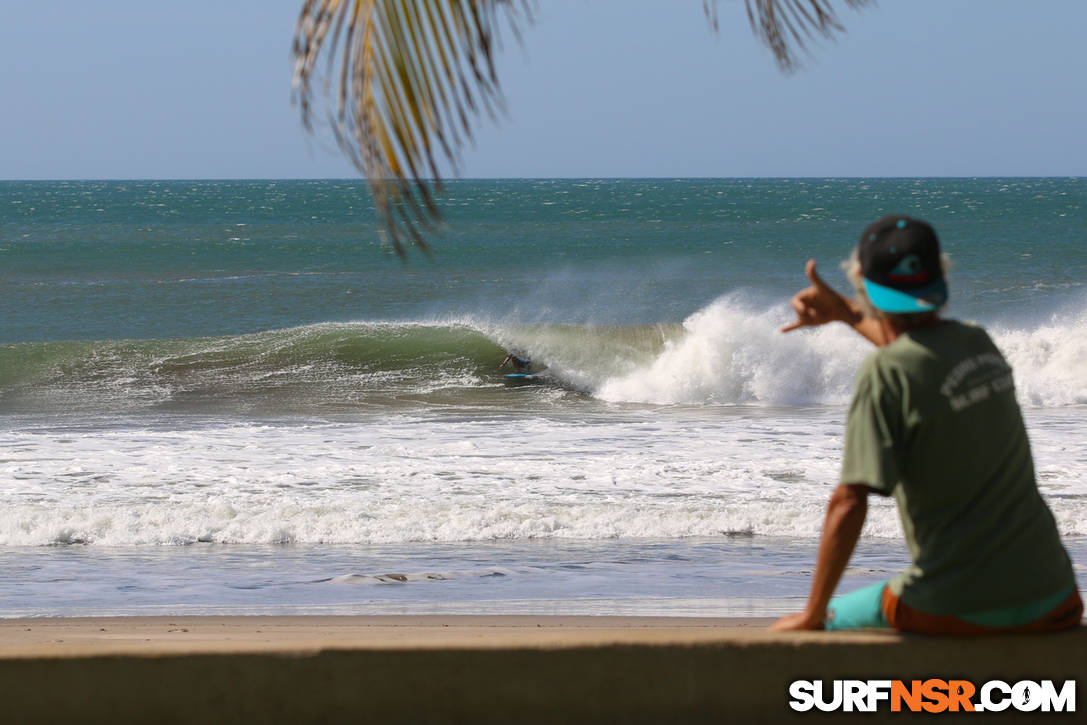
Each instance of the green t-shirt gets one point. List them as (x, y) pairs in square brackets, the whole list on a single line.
[(934, 421)]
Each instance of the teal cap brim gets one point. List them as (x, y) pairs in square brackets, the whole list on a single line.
[(924, 299)]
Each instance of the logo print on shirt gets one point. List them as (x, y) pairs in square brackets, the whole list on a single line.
[(975, 379)]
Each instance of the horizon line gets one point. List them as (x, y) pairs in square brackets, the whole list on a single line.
[(540, 178)]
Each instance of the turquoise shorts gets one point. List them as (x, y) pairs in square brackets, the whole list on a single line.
[(856, 610), (864, 609)]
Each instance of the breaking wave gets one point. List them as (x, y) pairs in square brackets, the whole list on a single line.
[(728, 353)]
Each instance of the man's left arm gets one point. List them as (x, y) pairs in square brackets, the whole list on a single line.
[(846, 512)]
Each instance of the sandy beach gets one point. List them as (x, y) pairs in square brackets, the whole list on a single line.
[(159, 636), (470, 668)]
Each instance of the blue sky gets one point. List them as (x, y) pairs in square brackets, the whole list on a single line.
[(201, 89)]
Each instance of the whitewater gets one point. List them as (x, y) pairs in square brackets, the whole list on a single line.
[(411, 433)]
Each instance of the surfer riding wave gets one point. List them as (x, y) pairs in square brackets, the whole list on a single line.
[(519, 365)]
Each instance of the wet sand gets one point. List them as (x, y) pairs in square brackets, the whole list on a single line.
[(500, 669)]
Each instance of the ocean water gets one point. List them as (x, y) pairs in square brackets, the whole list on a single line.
[(225, 397)]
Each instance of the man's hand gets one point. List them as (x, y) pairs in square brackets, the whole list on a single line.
[(820, 304), (797, 622)]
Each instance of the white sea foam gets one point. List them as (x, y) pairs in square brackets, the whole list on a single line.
[(733, 354), (1050, 360), (748, 443), (440, 478)]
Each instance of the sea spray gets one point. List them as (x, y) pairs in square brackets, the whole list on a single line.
[(733, 354), (1050, 360)]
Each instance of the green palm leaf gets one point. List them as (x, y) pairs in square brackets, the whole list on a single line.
[(413, 75)]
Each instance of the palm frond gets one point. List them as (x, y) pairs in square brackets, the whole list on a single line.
[(787, 26), (412, 75)]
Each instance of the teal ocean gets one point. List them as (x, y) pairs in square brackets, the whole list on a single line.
[(168, 260), (228, 396)]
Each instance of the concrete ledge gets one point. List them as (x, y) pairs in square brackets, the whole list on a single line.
[(481, 670)]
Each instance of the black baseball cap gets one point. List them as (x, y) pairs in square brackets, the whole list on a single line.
[(900, 263)]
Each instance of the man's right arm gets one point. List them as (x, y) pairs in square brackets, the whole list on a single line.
[(845, 516), (819, 304)]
